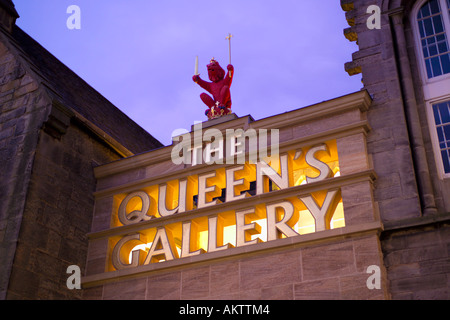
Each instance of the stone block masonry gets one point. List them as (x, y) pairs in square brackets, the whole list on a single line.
[(320, 271), (48, 149), (388, 142), (418, 262), (22, 111), (57, 215), (409, 192), (46, 185)]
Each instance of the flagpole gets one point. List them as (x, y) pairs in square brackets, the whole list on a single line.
[(229, 49), (229, 45)]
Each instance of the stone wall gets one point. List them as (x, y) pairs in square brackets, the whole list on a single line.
[(413, 200), (388, 143), (58, 215), (46, 186), (23, 109), (333, 270), (418, 262)]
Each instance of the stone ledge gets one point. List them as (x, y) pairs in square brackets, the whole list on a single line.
[(347, 5), (350, 34), (352, 68), (350, 16), (213, 122), (416, 222)]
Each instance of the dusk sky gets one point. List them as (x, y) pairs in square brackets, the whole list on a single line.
[(140, 54)]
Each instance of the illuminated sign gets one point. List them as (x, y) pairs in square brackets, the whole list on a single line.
[(224, 208)]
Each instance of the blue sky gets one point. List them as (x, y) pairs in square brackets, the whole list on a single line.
[(140, 54)]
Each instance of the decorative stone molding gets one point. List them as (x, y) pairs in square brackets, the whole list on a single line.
[(58, 120)]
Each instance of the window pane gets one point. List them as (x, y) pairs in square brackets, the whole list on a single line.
[(428, 27), (445, 61), (425, 10), (436, 66), (428, 65), (422, 33), (437, 21), (445, 161), (437, 118), (447, 132), (442, 47), (433, 50), (440, 133), (434, 5), (443, 110)]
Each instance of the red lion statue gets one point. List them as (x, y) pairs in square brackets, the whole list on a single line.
[(220, 103)]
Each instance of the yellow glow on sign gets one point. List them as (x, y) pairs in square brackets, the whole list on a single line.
[(300, 167), (293, 216), (304, 225)]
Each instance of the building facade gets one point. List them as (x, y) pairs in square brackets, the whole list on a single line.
[(195, 228), (405, 68), (349, 201)]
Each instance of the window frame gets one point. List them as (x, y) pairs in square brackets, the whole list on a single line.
[(431, 89), (435, 89)]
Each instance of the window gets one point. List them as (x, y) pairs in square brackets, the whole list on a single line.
[(432, 33), (441, 112), (433, 39)]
